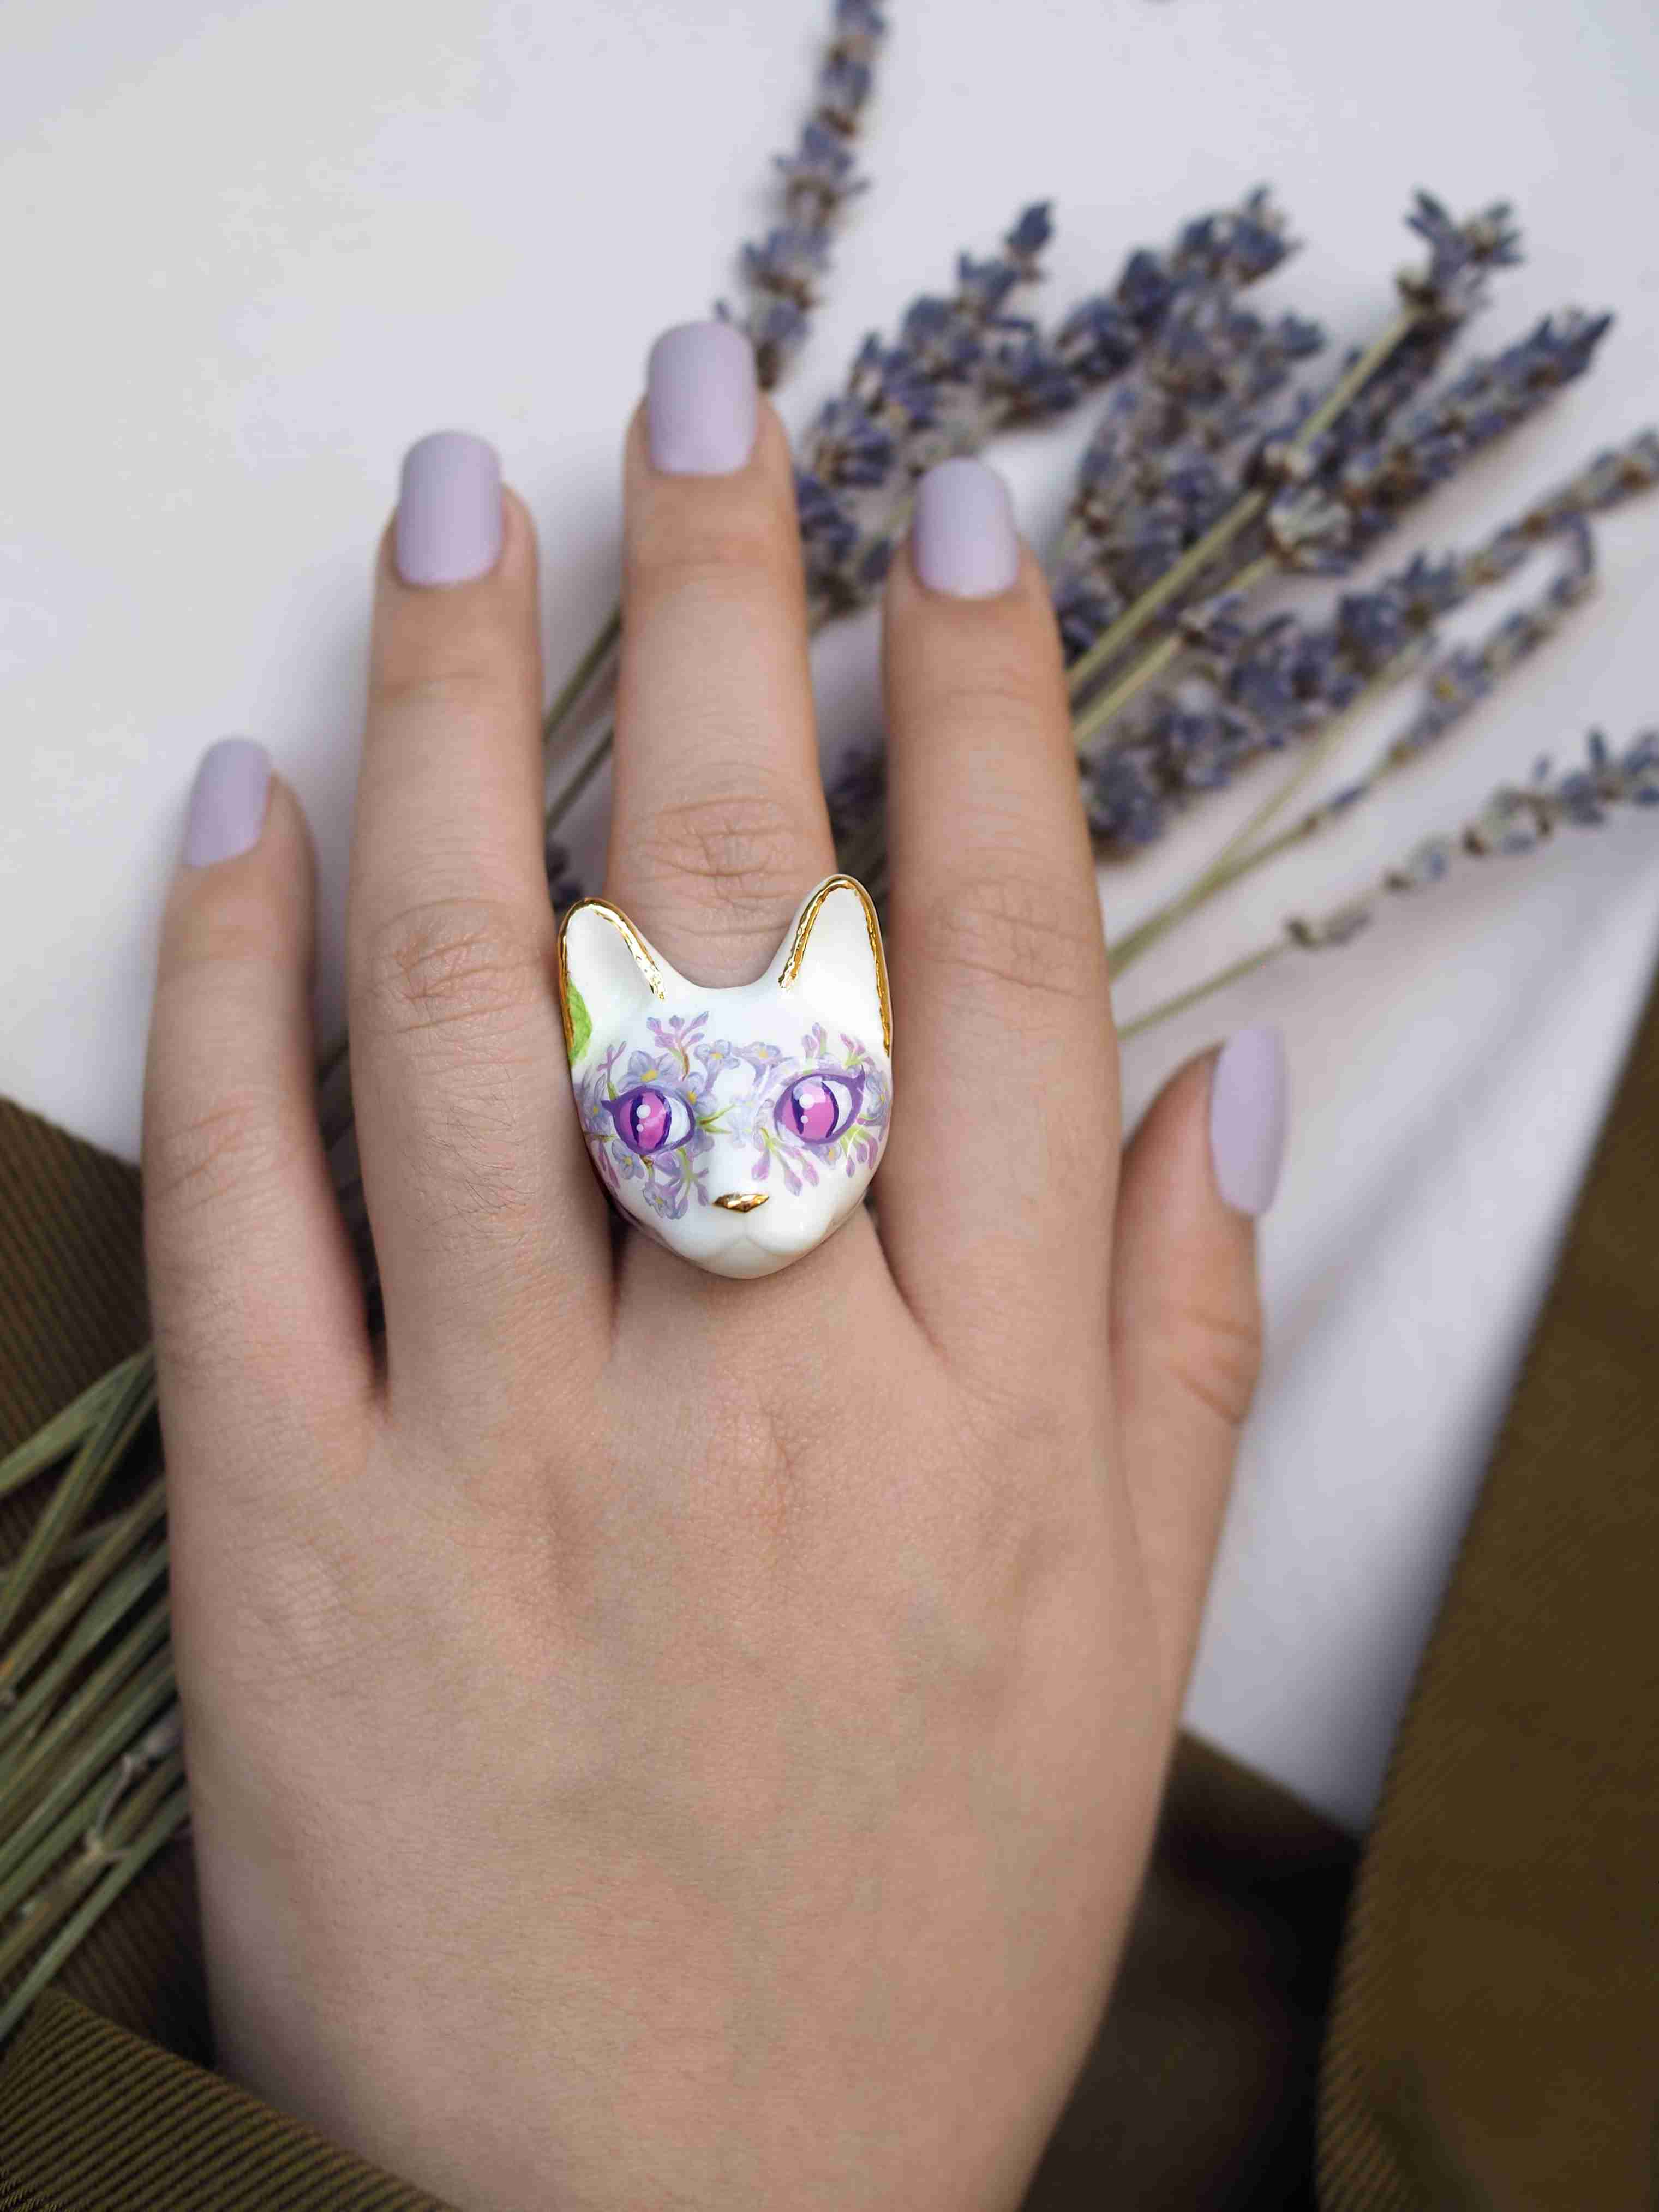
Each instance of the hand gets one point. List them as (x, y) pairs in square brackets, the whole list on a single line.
[(655, 1738)]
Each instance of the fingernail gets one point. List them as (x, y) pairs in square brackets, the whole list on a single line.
[(449, 510), (1250, 1103), (700, 400), (962, 535), (226, 802)]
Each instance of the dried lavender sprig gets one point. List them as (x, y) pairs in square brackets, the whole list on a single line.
[(1437, 299), (1156, 474), (1326, 531), (782, 272), (904, 405), (962, 368), (1465, 677), (1514, 820), (1256, 688)]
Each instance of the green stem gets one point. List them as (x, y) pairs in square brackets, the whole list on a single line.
[(1130, 624), (1226, 867), (23, 1762), (163, 1826), (124, 1413), (65, 1431), (119, 1535), (112, 1605), (582, 675), (85, 1867), (590, 758), (28, 1874), (1095, 717), (1185, 999), (138, 1703)]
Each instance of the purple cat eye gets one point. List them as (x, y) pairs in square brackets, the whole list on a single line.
[(648, 1120), (815, 1109)]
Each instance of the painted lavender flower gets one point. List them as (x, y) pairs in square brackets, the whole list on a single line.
[(655, 1122), (783, 272)]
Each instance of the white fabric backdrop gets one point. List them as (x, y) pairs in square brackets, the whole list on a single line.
[(253, 250)]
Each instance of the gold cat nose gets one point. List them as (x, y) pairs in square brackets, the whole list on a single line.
[(742, 1201)]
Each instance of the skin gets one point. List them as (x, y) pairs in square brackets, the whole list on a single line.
[(656, 1738)]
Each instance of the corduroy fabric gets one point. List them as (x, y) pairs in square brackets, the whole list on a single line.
[(91, 2116), (1494, 2041)]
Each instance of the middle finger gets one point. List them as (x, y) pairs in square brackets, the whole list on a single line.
[(718, 826)]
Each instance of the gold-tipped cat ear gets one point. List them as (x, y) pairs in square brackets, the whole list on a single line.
[(838, 912), (597, 958)]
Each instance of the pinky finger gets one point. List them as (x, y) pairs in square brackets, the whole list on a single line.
[(255, 1298)]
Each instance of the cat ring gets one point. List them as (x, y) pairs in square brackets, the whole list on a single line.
[(738, 1128)]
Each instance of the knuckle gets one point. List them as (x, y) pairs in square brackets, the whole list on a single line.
[(1003, 925), (236, 1148), (1211, 1351), (449, 961), (737, 853), (473, 687), (994, 689), (722, 556)]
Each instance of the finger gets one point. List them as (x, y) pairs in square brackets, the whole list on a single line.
[(995, 1196), (487, 1226), (718, 827), (255, 1297), (1186, 1313)]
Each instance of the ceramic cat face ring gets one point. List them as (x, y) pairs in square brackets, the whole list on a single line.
[(738, 1128)]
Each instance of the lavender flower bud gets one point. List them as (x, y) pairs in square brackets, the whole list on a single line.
[(783, 272)]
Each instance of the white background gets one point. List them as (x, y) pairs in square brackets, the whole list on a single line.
[(252, 251)]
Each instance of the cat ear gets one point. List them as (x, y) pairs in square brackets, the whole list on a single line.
[(608, 974), (833, 962)]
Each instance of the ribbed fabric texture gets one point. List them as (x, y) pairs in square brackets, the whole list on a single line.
[(92, 2117), (1495, 2040)]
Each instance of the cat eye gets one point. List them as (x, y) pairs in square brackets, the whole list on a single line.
[(815, 1109), (651, 1120)]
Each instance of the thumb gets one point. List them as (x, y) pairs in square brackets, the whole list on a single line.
[(1186, 1312)]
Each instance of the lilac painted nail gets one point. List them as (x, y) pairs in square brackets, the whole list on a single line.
[(963, 537), (1249, 1099), (700, 400), (449, 510), (226, 802)]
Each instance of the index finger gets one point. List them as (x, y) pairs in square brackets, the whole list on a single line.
[(997, 1191)]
